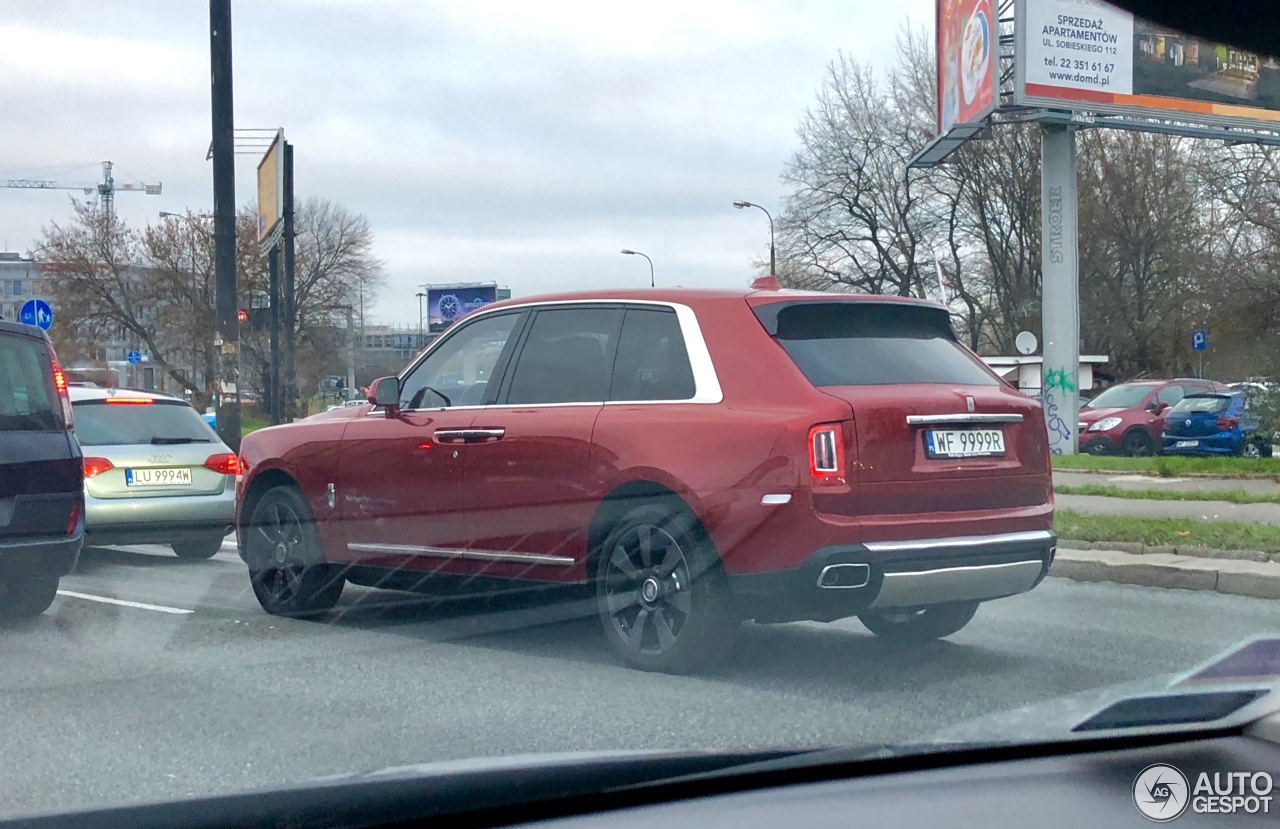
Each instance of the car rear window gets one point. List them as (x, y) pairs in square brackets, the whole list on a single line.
[(99, 423), (874, 344), (1212, 403), (27, 401)]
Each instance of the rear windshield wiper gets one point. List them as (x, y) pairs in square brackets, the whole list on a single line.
[(175, 441)]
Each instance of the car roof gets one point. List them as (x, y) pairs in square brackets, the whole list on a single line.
[(80, 394), (7, 327), (699, 295)]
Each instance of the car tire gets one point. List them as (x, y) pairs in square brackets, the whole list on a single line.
[(1255, 449), (27, 597), (661, 594), (198, 548), (1137, 443), (920, 625), (285, 558)]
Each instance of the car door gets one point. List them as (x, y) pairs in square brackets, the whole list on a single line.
[(526, 487), (401, 477)]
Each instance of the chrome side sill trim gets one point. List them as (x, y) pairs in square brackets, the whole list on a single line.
[(1029, 537), (473, 555), (956, 584), (951, 419)]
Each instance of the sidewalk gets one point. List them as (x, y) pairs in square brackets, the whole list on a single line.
[(1233, 576), (1130, 480), (1198, 510)]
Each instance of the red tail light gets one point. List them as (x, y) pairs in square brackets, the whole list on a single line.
[(826, 455), (96, 466), (226, 463), (1225, 423), (74, 519), (64, 397)]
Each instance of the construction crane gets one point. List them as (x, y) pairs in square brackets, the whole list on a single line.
[(106, 189)]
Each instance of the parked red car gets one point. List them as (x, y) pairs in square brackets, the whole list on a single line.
[(696, 457), (1128, 419)]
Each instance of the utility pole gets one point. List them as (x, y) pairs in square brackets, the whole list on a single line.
[(351, 352), (1059, 255), (224, 222), (273, 296), (290, 298)]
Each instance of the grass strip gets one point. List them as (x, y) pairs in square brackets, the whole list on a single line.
[(1220, 535), (1170, 466)]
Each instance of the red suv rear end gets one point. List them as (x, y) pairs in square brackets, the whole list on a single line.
[(695, 457)]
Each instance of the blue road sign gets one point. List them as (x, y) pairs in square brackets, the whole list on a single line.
[(133, 357), (1199, 340), (36, 312)]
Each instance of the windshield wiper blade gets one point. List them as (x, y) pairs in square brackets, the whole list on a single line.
[(158, 441)]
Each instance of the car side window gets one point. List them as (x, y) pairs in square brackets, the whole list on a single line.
[(457, 373), (566, 357), (652, 362), (1170, 395)]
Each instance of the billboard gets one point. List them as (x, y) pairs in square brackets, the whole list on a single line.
[(967, 62), (271, 188), (1090, 55), (446, 304)]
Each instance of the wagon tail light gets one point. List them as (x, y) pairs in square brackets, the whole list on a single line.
[(94, 467), (64, 397), (827, 456), (1225, 423), (225, 463)]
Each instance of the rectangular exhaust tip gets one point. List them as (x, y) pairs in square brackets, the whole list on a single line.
[(844, 576)]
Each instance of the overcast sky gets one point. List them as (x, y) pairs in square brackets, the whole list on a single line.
[(524, 142)]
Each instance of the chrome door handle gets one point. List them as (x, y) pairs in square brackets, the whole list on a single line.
[(482, 435), (451, 435)]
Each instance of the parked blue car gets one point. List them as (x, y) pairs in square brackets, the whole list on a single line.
[(1215, 424)]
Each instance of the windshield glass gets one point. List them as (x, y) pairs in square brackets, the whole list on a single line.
[(558, 377), (99, 423), (1202, 403), (1121, 397)]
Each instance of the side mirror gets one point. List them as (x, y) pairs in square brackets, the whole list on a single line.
[(385, 392), (1161, 407)]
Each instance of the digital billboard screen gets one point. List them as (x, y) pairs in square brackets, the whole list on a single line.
[(449, 303), (1090, 55), (967, 36)]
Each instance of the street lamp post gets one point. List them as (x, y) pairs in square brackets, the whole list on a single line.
[(773, 265), (420, 298), (652, 284)]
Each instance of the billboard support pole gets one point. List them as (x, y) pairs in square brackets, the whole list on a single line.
[(224, 222), (1059, 267), (289, 296), (273, 290)]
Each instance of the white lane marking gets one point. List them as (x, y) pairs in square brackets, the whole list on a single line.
[(138, 605)]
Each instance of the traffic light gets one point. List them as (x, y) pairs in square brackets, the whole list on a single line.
[(242, 315)]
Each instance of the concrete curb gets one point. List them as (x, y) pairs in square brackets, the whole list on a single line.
[(1139, 548), (1232, 576)]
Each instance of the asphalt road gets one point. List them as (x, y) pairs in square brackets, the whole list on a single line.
[(108, 703)]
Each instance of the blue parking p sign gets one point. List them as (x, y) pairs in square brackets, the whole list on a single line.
[(36, 312), (1199, 340)]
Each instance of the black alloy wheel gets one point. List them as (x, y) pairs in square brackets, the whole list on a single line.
[(284, 558), (661, 595)]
